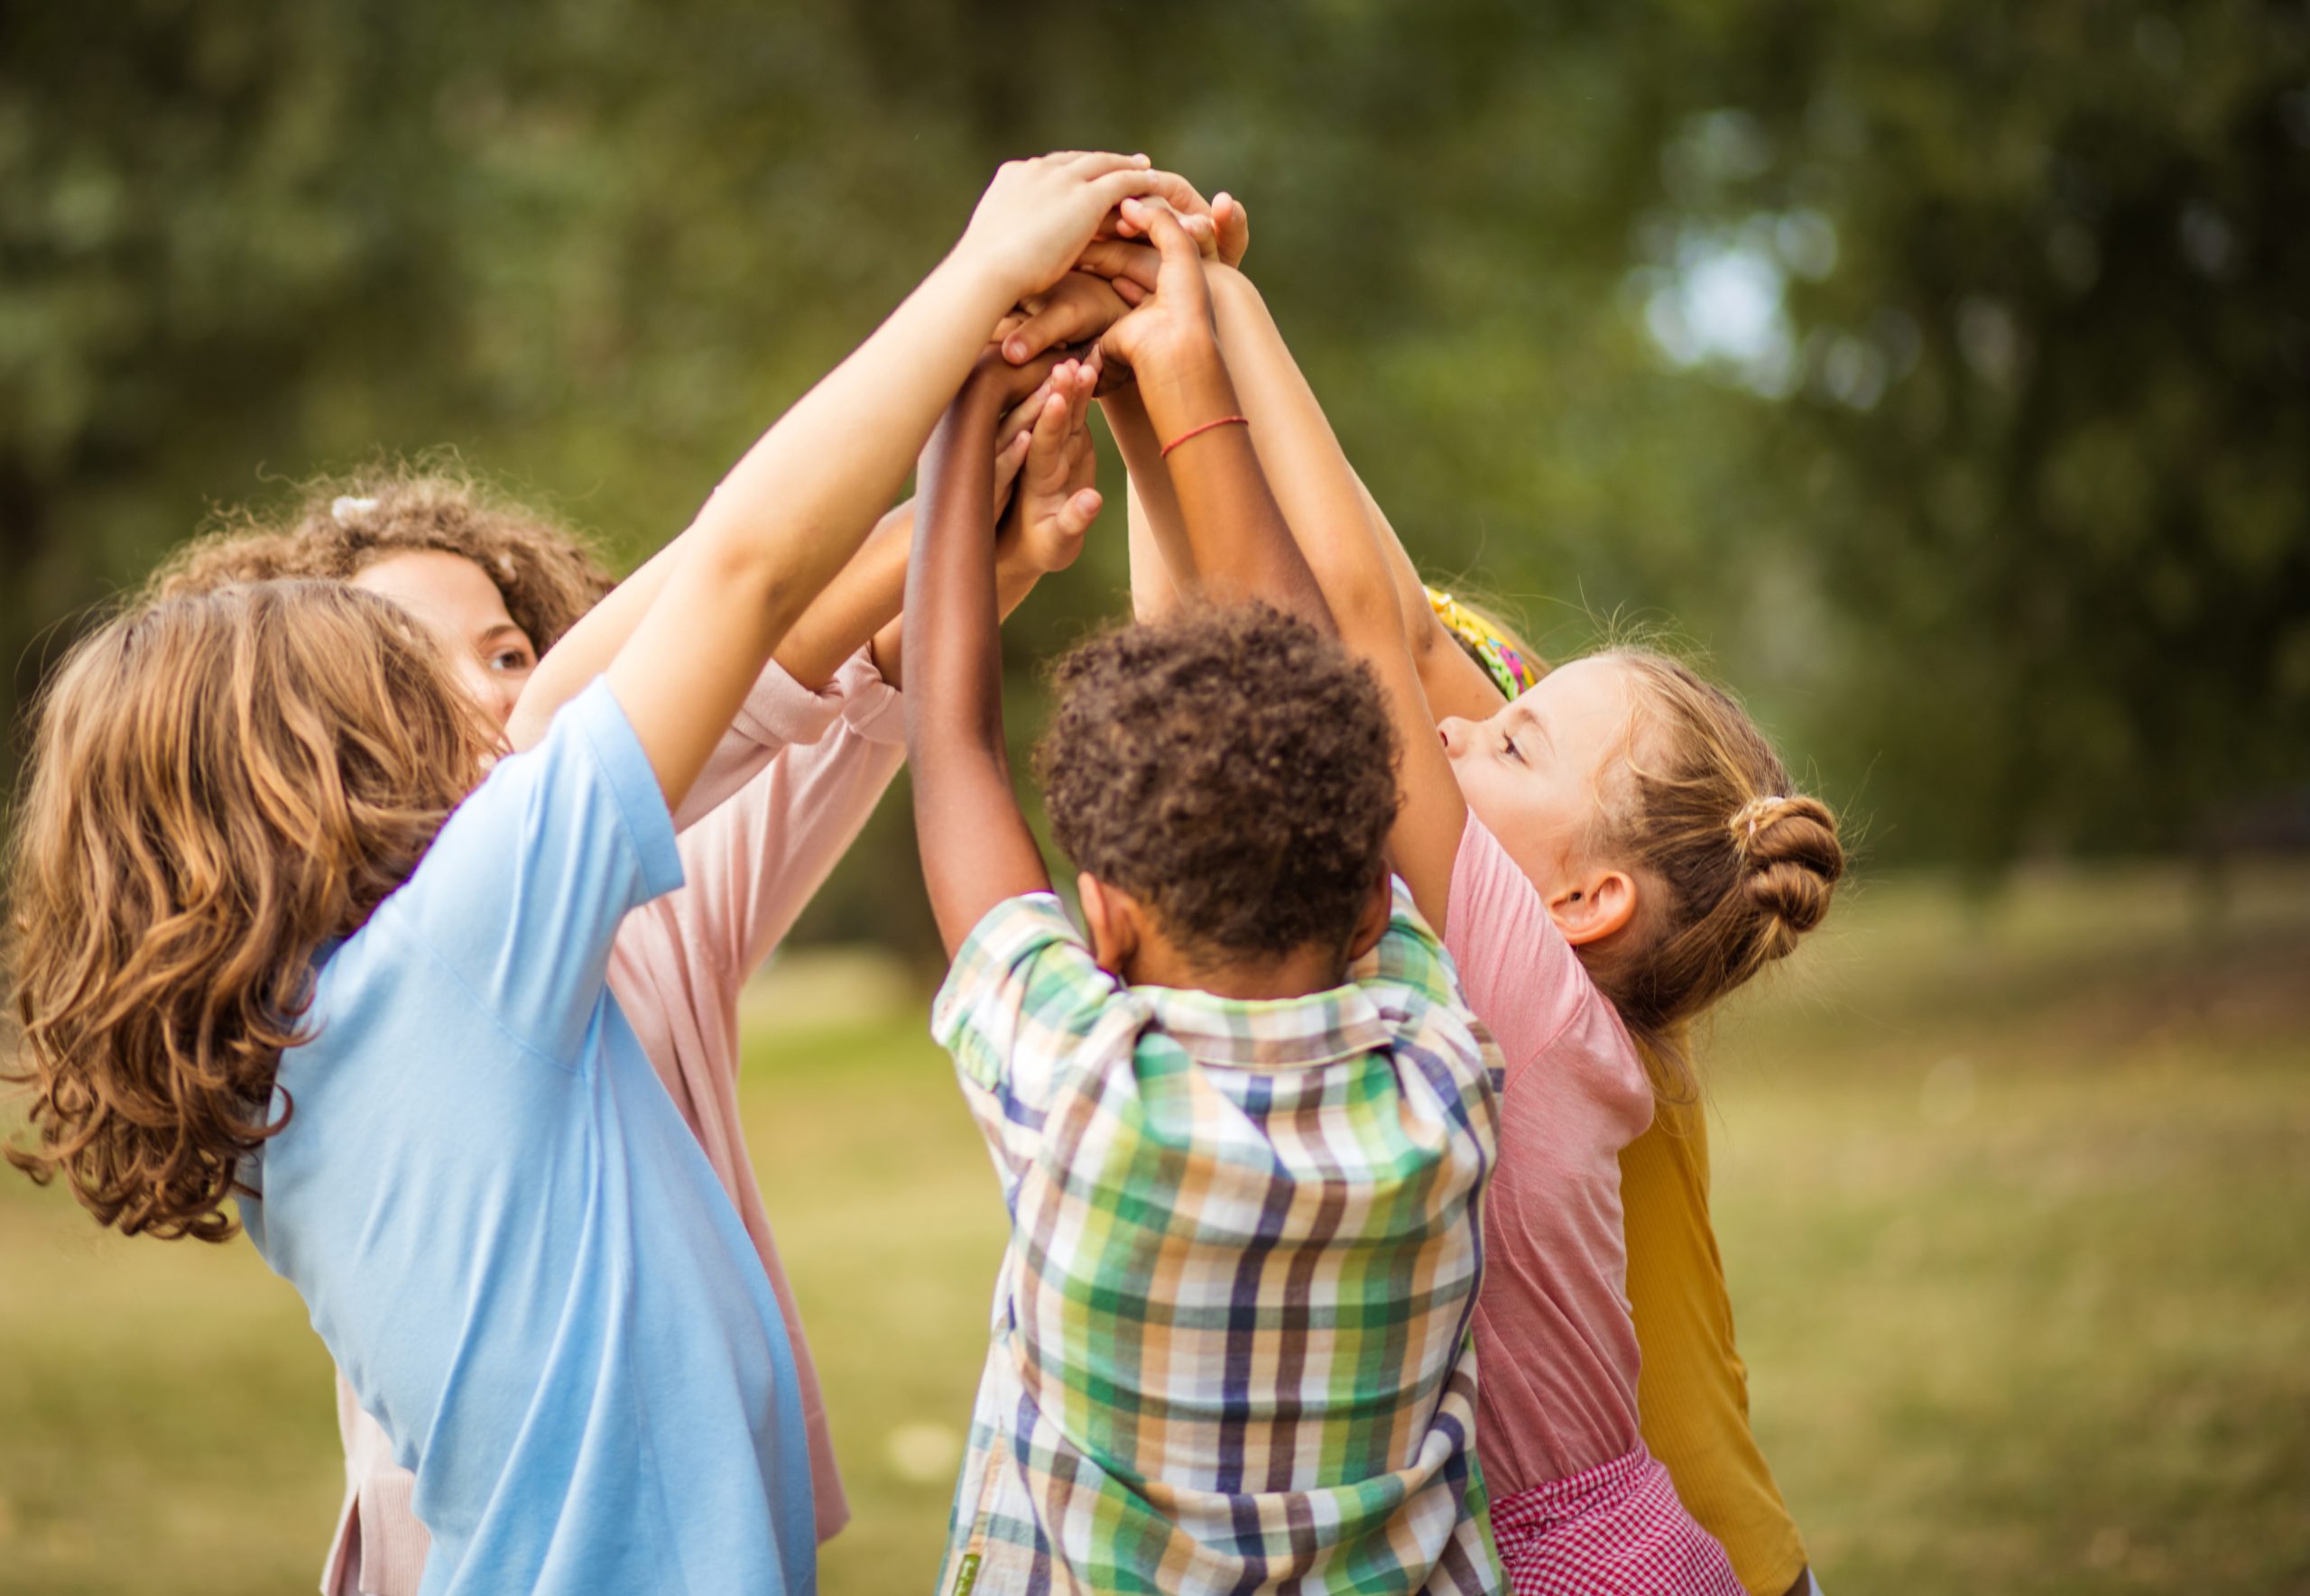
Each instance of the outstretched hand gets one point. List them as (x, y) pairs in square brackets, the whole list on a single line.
[(1055, 503), (1176, 316), (1036, 215), (1078, 307)]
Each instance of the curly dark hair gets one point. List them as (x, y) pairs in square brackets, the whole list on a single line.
[(1233, 768)]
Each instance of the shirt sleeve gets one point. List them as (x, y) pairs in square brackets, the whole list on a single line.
[(1522, 977), (523, 892), (1020, 1007), (778, 712), (755, 863)]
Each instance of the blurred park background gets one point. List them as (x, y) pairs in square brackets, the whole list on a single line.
[(1939, 368)]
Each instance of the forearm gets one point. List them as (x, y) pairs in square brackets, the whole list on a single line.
[(1013, 580), (1324, 505), (863, 598), (975, 846), (1157, 542), (1322, 500), (1238, 543)]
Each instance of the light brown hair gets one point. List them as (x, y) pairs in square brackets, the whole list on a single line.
[(219, 784), (1735, 864), (546, 574)]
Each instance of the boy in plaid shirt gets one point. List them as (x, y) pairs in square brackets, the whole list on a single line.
[(1242, 1118)]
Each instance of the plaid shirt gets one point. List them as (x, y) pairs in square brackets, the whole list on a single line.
[(1230, 1349)]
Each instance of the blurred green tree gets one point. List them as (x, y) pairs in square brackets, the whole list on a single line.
[(1939, 368)]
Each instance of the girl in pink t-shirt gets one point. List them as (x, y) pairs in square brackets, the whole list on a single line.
[(1609, 854)]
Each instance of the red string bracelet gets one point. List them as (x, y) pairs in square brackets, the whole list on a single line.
[(1197, 431)]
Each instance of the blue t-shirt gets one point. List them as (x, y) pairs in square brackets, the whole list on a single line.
[(511, 1242)]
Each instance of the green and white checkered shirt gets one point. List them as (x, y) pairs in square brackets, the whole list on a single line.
[(1231, 1347)]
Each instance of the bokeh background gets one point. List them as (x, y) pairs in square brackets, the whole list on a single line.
[(1938, 369)]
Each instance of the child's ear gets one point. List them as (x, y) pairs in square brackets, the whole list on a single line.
[(1111, 920), (1594, 904), (1378, 905)]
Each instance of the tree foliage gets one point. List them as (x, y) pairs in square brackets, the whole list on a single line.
[(1939, 365)]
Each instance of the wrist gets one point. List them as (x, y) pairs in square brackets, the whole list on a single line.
[(1229, 281), (1193, 402), (1187, 387), (976, 275)]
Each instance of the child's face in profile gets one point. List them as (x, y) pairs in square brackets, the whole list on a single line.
[(455, 601), (1535, 773)]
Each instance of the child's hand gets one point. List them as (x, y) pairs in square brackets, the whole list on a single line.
[(1036, 215), (1079, 307), (1055, 502), (1176, 321), (1005, 390)]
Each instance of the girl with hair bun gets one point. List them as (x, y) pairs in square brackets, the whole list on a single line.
[(1609, 851)]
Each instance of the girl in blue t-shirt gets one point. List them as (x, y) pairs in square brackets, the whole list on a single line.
[(277, 936)]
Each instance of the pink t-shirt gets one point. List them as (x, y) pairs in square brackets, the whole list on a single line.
[(775, 808), (1555, 1349)]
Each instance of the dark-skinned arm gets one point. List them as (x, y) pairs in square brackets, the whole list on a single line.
[(1237, 544), (976, 849)]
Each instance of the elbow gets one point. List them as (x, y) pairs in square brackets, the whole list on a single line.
[(746, 568), (1360, 605)]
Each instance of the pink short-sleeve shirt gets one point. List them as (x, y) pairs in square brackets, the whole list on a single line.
[(1556, 1351)]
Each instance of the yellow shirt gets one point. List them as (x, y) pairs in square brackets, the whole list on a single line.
[(1692, 1393)]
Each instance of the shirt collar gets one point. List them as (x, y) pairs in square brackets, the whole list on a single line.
[(1268, 1033)]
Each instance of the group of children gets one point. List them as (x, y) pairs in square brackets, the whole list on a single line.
[(392, 876)]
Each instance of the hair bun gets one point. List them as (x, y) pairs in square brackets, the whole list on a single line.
[(1794, 859)]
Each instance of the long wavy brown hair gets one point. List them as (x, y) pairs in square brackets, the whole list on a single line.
[(219, 784), (337, 527)]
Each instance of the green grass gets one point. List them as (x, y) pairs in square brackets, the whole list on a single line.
[(2013, 1199)]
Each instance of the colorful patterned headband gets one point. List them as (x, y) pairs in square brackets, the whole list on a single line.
[(1501, 659)]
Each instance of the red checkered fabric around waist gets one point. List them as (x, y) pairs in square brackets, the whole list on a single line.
[(1616, 1530)]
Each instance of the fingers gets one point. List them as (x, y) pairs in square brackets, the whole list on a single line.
[(1086, 383), (1095, 163), (1008, 459), (1130, 293), (1020, 418), (1083, 306), (1119, 263), (1081, 509), (1164, 230), (1047, 451), (1178, 193), (1233, 224), (1201, 228), (1115, 186)]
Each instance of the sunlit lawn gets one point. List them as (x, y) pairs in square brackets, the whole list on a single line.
[(2015, 1201)]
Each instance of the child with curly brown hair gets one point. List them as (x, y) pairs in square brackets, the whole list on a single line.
[(1242, 1118), (1609, 854), (276, 938), (783, 797)]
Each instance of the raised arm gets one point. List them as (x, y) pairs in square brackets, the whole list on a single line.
[(1455, 684), (797, 507), (1323, 504), (976, 850), (1235, 542)]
